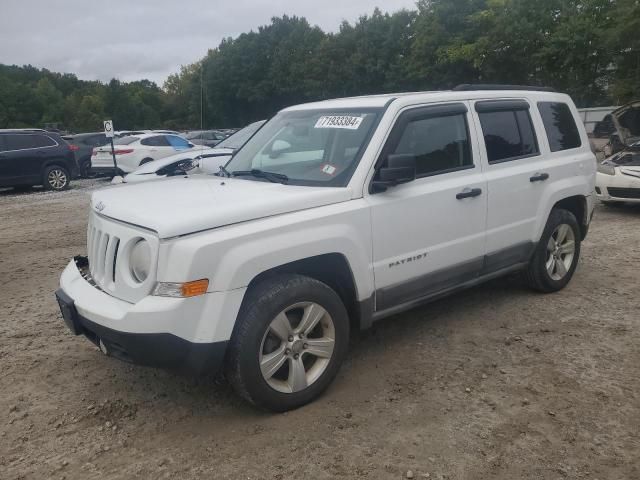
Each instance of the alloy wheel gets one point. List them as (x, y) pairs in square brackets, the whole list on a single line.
[(297, 347), (561, 249), (57, 179)]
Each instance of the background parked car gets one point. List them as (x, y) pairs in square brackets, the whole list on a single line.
[(133, 151), (208, 138), (197, 160), (35, 157), (82, 146)]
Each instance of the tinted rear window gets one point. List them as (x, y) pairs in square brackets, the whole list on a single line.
[(157, 141), (560, 126), (508, 135)]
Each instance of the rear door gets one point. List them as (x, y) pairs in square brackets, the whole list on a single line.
[(429, 234), (519, 172)]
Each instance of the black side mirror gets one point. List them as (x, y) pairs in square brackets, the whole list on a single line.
[(397, 169)]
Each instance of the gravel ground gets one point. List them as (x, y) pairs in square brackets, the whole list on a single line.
[(495, 382)]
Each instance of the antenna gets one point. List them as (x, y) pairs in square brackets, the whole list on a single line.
[(202, 96)]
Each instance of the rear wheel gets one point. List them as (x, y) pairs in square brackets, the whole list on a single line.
[(556, 256), (56, 178), (290, 339)]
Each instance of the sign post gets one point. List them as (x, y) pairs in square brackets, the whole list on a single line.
[(108, 131)]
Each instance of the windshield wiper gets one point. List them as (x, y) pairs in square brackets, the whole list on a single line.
[(223, 171), (271, 176)]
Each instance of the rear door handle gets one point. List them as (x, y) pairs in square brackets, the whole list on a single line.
[(539, 177), (468, 193)]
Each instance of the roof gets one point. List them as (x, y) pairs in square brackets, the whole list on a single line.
[(23, 130), (460, 94)]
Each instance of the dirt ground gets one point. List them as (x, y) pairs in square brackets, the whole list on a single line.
[(495, 382)]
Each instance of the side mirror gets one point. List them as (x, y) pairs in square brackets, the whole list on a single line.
[(278, 147), (397, 169)]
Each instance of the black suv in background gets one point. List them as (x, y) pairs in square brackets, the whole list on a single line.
[(35, 157), (82, 146)]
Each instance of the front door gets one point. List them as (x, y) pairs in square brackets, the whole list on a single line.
[(429, 234)]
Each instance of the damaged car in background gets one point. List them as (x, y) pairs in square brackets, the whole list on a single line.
[(201, 159), (618, 177)]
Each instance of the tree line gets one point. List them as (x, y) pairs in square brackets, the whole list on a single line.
[(587, 48)]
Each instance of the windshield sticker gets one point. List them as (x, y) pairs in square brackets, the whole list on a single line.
[(328, 169), (339, 121)]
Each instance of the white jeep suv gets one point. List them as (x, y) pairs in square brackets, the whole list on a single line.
[(334, 215)]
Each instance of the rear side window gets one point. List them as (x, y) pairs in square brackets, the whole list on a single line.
[(560, 126), (439, 143), (508, 133), (44, 141), (177, 142), (20, 142), (157, 141)]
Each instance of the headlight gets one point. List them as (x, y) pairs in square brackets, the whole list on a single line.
[(140, 260), (606, 168)]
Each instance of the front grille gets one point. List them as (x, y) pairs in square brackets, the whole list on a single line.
[(619, 192), (102, 249), (109, 243)]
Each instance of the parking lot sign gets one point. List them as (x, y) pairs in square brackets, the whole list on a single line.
[(108, 128)]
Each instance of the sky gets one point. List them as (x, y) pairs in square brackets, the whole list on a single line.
[(135, 39)]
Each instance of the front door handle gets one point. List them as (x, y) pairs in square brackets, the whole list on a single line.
[(539, 177), (468, 193)]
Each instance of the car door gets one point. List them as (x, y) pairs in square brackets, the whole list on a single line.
[(22, 158), (429, 234), (517, 176)]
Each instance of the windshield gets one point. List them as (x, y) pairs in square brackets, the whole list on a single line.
[(310, 147), (239, 138)]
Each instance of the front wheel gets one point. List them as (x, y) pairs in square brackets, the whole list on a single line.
[(556, 256), (56, 178), (290, 340)]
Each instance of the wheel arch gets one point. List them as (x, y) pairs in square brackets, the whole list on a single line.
[(332, 269), (576, 204)]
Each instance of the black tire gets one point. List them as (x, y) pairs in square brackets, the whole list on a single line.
[(56, 178), (85, 170), (145, 160), (537, 275), (262, 303)]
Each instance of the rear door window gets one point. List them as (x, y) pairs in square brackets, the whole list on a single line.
[(560, 126), (507, 129), (20, 142)]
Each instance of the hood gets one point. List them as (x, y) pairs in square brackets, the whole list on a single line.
[(183, 205), (626, 119)]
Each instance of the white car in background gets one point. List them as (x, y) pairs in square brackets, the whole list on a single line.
[(200, 159), (618, 177), (133, 151)]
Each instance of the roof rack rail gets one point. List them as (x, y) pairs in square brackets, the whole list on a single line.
[(465, 87)]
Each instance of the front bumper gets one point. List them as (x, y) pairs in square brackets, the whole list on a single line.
[(161, 350), (156, 331), (618, 187)]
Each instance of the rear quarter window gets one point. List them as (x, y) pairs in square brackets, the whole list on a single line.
[(560, 126)]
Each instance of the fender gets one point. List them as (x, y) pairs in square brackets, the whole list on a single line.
[(559, 190), (230, 257)]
